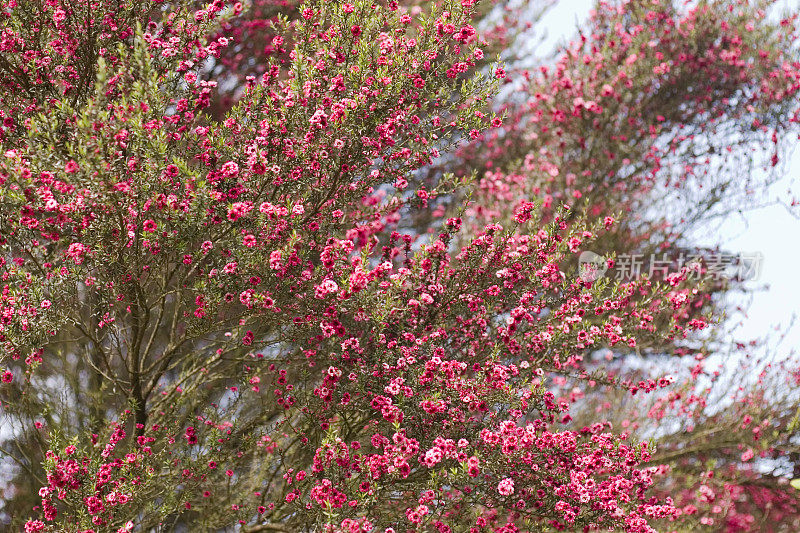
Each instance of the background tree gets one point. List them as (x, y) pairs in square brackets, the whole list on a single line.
[(245, 281)]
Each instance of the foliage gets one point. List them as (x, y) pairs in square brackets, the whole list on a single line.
[(284, 267)]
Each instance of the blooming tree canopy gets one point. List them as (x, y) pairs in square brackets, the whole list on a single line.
[(313, 267)]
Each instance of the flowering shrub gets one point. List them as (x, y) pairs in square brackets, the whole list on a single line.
[(242, 285)]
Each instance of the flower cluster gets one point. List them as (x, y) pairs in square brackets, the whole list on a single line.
[(249, 281)]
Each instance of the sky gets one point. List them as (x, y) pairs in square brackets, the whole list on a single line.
[(772, 230)]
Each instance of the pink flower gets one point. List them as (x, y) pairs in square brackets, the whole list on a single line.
[(32, 526), (238, 210), (506, 487), (76, 251), (230, 169)]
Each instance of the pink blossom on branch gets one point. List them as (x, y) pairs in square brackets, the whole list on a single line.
[(240, 288)]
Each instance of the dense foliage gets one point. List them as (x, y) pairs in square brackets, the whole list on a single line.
[(314, 267)]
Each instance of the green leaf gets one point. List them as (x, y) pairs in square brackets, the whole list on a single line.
[(795, 483)]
